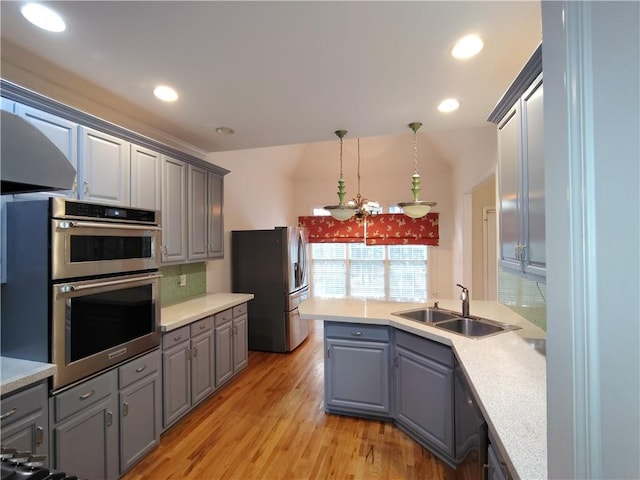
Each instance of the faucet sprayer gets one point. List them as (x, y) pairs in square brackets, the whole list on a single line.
[(464, 296)]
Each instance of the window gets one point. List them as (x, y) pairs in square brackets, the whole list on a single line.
[(394, 272)]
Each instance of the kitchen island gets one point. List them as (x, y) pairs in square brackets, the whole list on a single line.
[(507, 375)]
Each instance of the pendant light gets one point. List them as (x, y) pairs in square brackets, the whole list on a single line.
[(364, 207), (416, 209), (341, 211)]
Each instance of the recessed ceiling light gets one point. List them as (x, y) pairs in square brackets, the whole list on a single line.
[(467, 47), (43, 17), (166, 94), (225, 131), (448, 105)]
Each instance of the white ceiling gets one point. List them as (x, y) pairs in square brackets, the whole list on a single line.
[(282, 73)]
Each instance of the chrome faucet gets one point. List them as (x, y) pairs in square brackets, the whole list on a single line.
[(464, 296)]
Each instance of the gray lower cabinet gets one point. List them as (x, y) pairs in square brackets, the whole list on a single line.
[(25, 420), (101, 427), (230, 342), (357, 377), (188, 362), (497, 468), (85, 428), (140, 408), (424, 391)]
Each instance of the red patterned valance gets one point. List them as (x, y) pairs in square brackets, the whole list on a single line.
[(382, 229)]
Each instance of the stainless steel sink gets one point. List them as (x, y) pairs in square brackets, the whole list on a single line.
[(472, 327), (428, 315)]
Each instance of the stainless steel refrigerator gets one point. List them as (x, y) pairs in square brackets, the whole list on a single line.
[(272, 264)]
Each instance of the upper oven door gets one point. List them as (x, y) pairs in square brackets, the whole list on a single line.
[(84, 248)]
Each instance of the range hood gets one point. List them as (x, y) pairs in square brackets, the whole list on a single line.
[(29, 161)]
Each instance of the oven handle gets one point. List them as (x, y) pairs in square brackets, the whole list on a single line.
[(75, 288), (66, 224)]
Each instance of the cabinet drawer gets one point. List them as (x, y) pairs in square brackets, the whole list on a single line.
[(224, 317), (139, 368), (175, 337), (201, 326), (239, 310), (17, 405), (427, 348), (84, 395), (356, 331)]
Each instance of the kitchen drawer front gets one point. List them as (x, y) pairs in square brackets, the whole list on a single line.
[(18, 404), (427, 348), (239, 310), (84, 395), (139, 368), (201, 326), (224, 317), (356, 331), (175, 337)]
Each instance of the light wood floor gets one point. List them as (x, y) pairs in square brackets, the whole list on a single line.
[(269, 423)]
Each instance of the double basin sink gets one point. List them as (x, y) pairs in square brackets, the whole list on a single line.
[(472, 327)]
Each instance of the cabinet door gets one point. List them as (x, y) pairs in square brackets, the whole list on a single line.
[(495, 471), (533, 158), (424, 399), (240, 343), (104, 172), (25, 420), (202, 360), (224, 353), (176, 382), (357, 376), (198, 213), (216, 223), (510, 191), (140, 406), (87, 443), (146, 178), (62, 133), (174, 210)]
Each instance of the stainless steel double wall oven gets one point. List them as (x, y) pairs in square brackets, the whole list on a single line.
[(82, 286)]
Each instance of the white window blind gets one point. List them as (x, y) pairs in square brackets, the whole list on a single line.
[(395, 272)]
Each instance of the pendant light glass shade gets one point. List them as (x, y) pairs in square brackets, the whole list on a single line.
[(415, 209), (341, 211)]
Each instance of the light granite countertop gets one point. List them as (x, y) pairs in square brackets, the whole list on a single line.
[(16, 373), (507, 375), (184, 313)]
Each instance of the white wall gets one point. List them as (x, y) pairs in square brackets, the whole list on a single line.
[(258, 193)]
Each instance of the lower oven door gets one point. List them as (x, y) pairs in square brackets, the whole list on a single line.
[(99, 323)]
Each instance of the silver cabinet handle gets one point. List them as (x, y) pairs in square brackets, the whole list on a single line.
[(86, 187), (195, 352), (356, 333), (109, 419), (87, 395), (202, 327), (74, 190), (328, 352), (39, 435), (141, 369), (179, 337), (125, 409), (8, 414)]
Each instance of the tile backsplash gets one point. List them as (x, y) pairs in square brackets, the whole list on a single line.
[(525, 297), (196, 282)]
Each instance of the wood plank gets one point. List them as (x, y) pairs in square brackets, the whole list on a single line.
[(269, 423)]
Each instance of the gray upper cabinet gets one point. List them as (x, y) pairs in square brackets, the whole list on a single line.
[(198, 213), (357, 377), (104, 176), (215, 217), (63, 133), (25, 420), (519, 117), (425, 391), (146, 178), (174, 210)]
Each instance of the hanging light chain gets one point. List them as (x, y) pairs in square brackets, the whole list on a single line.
[(415, 126)]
